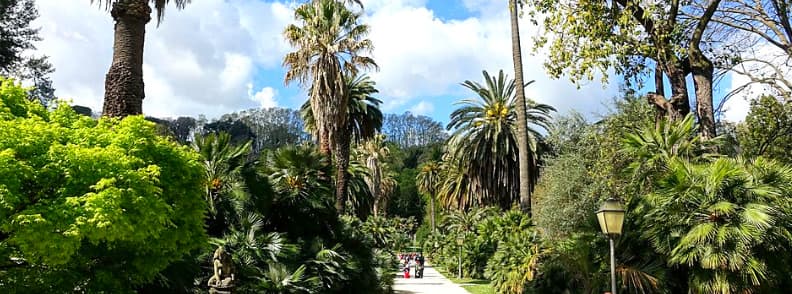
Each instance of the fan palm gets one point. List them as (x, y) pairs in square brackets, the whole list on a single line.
[(428, 181), (463, 222), (724, 219), (223, 163), (484, 140), (329, 42), (300, 176), (124, 91)]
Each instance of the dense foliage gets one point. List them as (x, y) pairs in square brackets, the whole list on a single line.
[(96, 205)]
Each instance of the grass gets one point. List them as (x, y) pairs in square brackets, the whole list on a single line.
[(474, 286)]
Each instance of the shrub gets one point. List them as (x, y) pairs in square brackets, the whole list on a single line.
[(95, 205)]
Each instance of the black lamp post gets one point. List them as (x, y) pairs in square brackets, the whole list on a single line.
[(611, 218)]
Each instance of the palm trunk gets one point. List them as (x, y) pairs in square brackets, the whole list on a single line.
[(124, 89), (432, 211), (342, 164), (522, 122)]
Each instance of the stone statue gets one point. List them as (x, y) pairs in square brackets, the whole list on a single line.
[(223, 279)]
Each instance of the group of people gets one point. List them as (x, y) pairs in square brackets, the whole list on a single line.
[(412, 261)]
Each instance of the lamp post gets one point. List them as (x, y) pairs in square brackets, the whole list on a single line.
[(460, 240), (611, 218)]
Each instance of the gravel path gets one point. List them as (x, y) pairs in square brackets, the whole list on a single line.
[(432, 283)]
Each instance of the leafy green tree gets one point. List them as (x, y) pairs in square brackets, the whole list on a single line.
[(767, 130), (124, 91), (100, 205), (484, 140), (329, 44), (589, 37)]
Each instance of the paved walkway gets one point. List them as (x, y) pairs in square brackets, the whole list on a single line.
[(432, 283)]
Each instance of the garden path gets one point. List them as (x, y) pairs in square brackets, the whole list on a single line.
[(432, 283)]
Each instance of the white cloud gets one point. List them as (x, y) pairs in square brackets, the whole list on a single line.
[(427, 56), (203, 59), (199, 60), (422, 108), (265, 96)]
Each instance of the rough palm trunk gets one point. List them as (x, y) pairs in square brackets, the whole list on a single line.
[(522, 122), (432, 211), (324, 142), (342, 164), (124, 89)]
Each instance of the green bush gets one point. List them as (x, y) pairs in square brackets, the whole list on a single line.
[(95, 205)]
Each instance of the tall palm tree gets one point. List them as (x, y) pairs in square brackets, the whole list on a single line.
[(124, 90), (484, 140), (329, 42), (363, 112), (428, 181), (525, 152), (373, 153)]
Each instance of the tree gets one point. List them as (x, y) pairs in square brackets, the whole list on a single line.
[(329, 42), (524, 153), (484, 140), (407, 130), (767, 130), (751, 24), (373, 152), (595, 36), (363, 113), (428, 183), (223, 164), (124, 90), (100, 205), (729, 222), (17, 37)]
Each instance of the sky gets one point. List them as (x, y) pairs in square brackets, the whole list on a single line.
[(220, 56)]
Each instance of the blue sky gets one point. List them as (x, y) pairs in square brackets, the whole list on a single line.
[(219, 56)]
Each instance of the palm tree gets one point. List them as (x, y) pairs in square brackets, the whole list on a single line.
[(329, 42), (223, 163), (373, 152), (428, 180), (525, 151), (724, 220), (484, 141), (363, 112), (124, 91)]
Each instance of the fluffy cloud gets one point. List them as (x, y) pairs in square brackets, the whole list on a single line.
[(422, 108), (210, 57), (266, 97), (199, 60), (421, 55)]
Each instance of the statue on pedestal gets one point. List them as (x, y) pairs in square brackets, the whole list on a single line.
[(222, 282)]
